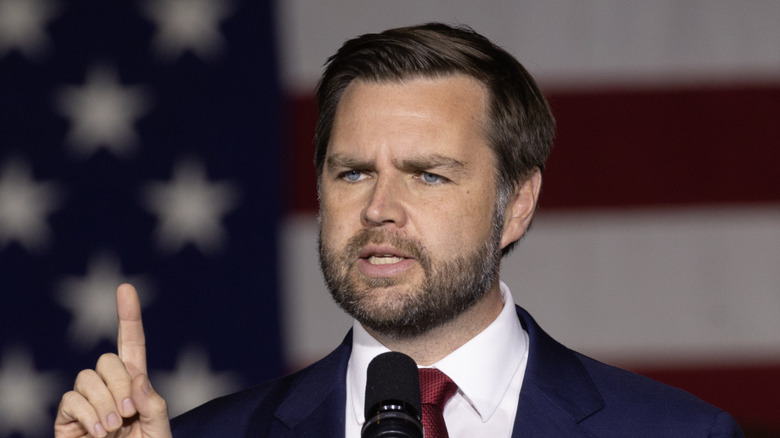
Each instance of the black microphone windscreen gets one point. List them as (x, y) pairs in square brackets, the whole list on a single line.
[(392, 376)]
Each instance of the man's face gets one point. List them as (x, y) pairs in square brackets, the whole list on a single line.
[(409, 238)]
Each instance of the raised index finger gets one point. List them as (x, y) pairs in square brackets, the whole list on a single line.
[(131, 342)]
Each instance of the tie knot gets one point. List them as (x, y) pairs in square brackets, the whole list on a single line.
[(436, 388)]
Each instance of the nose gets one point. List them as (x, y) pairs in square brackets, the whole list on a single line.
[(385, 204)]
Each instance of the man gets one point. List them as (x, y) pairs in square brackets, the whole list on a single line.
[(429, 150)]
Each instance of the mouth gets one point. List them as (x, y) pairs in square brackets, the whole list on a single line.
[(382, 254), (384, 261)]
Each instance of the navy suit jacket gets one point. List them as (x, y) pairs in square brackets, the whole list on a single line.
[(564, 394)]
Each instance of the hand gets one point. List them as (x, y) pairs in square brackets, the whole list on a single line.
[(116, 399)]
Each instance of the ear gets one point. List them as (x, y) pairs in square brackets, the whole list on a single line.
[(520, 208)]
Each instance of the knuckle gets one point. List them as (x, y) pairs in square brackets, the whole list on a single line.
[(84, 379), (159, 405), (106, 360), (93, 389), (75, 407), (112, 371), (70, 399)]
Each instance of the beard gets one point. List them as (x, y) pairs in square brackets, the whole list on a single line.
[(398, 309)]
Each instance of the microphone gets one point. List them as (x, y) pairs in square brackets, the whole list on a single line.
[(393, 406)]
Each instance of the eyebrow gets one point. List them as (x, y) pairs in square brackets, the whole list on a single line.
[(413, 163), (345, 161), (433, 161)]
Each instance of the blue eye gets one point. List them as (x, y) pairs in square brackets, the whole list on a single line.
[(352, 175), (431, 178)]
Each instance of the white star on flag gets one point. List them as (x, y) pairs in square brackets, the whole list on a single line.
[(22, 24), (91, 299), (24, 205), (187, 25), (192, 382), (189, 208), (25, 394), (102, 113)]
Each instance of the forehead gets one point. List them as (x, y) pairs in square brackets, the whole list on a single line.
[(417, 113)]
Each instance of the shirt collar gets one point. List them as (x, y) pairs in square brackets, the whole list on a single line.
[(364, 349), (482, 368)]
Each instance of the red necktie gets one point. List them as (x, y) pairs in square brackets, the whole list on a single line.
[(436, 388)]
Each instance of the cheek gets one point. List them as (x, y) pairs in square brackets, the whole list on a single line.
[(456, 227), (338, 202)]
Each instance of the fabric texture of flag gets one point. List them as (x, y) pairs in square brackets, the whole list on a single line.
[(139, 143)]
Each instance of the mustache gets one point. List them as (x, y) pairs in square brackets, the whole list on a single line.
[(412, 247)]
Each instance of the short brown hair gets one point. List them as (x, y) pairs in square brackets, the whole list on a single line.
[(520, 127)]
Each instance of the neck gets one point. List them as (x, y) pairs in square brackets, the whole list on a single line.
[(433, 345)]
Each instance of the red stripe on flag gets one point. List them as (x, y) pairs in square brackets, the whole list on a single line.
[(302, 181), (665, 147), (751, 393)]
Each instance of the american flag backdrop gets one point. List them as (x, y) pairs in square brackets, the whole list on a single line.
[(139, 142), (656, 244), (153, 141)]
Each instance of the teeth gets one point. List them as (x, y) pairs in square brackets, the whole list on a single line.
[(383, 260)]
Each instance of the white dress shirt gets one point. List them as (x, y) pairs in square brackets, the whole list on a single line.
[(488, 370)]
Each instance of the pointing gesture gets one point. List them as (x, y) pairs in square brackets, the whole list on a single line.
[(131, 341), (116, 399)]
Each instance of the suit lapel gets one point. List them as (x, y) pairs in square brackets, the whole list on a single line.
[(557, 392), (314, 405)]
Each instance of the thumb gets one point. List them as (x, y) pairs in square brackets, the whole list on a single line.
[(152, 409)]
